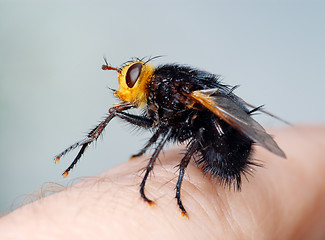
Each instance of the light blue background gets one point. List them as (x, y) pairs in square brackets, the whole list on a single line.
[(53, 89)]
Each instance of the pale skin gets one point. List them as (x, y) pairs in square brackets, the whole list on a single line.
[(285, 199)]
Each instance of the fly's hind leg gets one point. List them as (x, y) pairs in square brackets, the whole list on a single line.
[(183, 165)]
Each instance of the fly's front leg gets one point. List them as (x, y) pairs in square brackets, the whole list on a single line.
[(137, 120), (91, 136)]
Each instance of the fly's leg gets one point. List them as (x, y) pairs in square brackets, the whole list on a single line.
[(133, 119), (151, 164), (140, 121), (182, 166), (92, 136), (95, 133), (151, 141)]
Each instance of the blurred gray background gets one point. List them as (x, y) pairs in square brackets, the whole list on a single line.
[(53, 89)]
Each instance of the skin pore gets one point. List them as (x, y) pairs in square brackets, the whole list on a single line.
[(284, 199)]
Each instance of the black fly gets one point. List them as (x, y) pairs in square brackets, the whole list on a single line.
[(185, 104)]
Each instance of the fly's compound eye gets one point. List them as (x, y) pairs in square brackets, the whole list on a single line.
[(133, 74)]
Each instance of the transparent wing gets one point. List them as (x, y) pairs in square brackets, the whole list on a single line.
[(231, 112)]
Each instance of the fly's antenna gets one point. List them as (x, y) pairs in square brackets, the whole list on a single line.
[(108, 66)]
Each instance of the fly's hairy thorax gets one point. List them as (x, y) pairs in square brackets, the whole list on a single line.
[(169, 107), (167, 102)]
